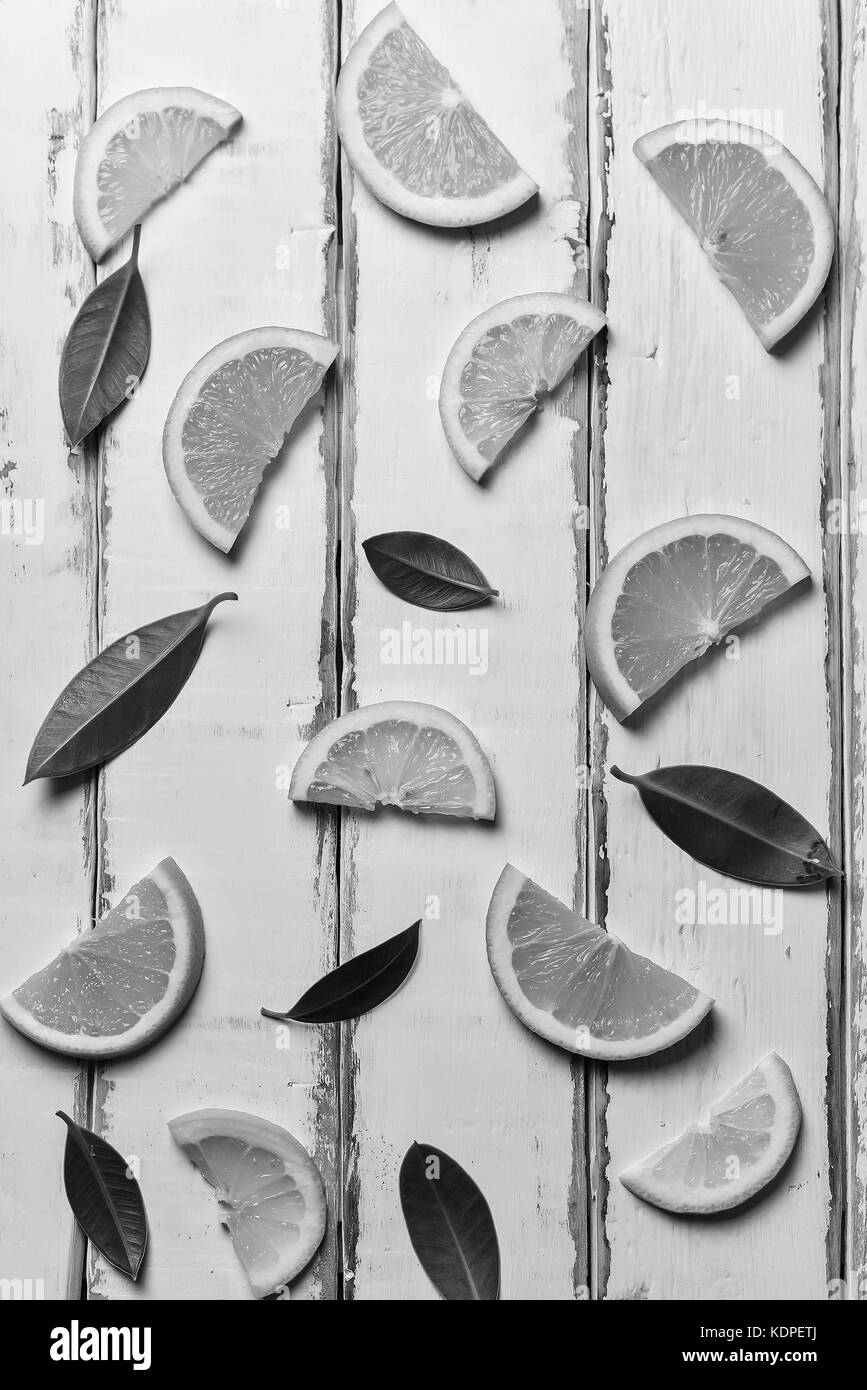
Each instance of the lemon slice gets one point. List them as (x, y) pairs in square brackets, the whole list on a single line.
[(761, 219), (674, 592), (501, 367), (744, 1143), (415, 139), (578, 987), (117, 988), (230, 419), (400, 753), (269, 1189), (137, 152)]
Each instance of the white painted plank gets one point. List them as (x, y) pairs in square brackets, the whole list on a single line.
[(847, 517), (700, 419), (46, 578), (240, 245), (444, 1061)]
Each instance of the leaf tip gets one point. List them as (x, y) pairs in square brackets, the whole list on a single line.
[(620, 775), (136, 243)]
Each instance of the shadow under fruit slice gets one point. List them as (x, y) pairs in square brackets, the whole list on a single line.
[(501, 367), (415, 139), (230, 418), (673, 593), (577, 986), (115, 989), (269, 1189), (717, 1165), (760, 218), (140, 149), (400, 753)]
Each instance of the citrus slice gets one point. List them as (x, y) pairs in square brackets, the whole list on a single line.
[(415, 139), (269, 1189), (400, 753), (577, 986), (230, 419), (744, 1143), (502, 365), (137, 152), (117, 988), (761, 219), (674, 592)]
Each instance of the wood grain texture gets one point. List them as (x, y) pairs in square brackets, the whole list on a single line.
[(245, 242), (699, 418), (847, 517), (444, 1061), (47, 584)]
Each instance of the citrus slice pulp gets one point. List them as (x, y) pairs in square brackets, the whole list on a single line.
[(672, 593), (415, 139), (137, 152), (400, 753), (117, 988), (760, 218), (268, 1187), (748, 1136), (502, 365), (577, 986), (230, 419)]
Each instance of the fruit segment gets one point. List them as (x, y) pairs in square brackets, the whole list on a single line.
[(269, 1189), (760, 218), (503, 365), (748, 1136), (140, 149), (117, 988), (577, 986), (673, 593), (416, 757), (414, 138)]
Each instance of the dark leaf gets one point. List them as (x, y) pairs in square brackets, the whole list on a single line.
[(734, 825), (427, 571), (450, 1226), (359, 985), (105, 1198), (120, 695), (106, 350)]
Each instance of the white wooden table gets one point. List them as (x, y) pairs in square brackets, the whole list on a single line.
[(680, 410)]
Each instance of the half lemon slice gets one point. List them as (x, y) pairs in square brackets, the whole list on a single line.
[(742, 1145), (673, 593), (270, 1191), (117, 988), (502, 366), (415, 139), (577, 986), (230, 419), (760, 218), (400, 753), (137, 152)]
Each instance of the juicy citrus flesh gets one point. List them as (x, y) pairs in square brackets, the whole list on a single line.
[(395, 763), (747, 1138), (583, 977), (106, 981), (264, 1208), (238, 424), (510, 368), (147, 158), (269, 1189), (681, 599), (420, 127), (751, 222)]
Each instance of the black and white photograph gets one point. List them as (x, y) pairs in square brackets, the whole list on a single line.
[(433, 499)]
